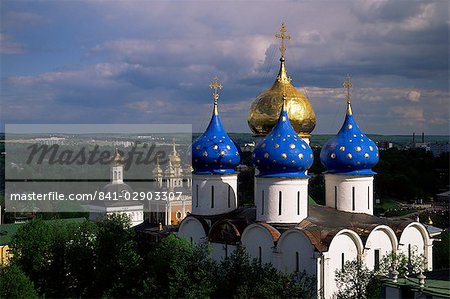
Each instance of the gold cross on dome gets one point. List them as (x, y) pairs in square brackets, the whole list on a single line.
[(216, 86), (282, 35), (348, 85)]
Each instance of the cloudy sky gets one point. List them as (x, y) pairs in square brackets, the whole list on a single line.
[(151, 62)]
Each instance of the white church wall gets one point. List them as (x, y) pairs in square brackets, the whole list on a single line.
[(382, 239), (214, 194), (340, 190), (297, 253), (293, 194), (220, 251), (192, 230), (415, 238), (258, 242), (345, 246)]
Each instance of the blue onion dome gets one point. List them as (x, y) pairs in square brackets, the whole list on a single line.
[(350, 151), (283, 153), (214, 152)]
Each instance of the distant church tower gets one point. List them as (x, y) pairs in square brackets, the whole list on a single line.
[(215, 157), (281, 187), (349, 158), (116, 170)]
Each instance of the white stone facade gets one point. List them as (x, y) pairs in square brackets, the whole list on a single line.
[(350, 193), (214, 194), (293, 251), (281, 200)]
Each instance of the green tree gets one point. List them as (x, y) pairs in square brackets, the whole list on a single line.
[(39, 250), (179, 269), (15, 284), (352, 280), (239, 276), (400, 262), (80, 260), (116, 261)]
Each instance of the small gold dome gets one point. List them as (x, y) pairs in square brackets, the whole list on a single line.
[(266, 107), (118, 160)]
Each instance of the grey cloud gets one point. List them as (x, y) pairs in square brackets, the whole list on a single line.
[(8, 45)]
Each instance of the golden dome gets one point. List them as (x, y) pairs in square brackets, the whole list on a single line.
[(174, 157), (118, 160), (265, 109)]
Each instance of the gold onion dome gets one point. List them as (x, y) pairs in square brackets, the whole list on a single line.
[(117, 159), (264, 111)]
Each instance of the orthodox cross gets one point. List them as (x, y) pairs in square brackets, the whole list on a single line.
[(216, 86), (282, 35), (348, 85)]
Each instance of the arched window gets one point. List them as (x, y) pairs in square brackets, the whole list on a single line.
[(212, 197), (335, 197), (297, 262), (298, 203), (196, 195), (368, 197), (342, 261), (353, 198), (280, 198), (377, 259), (229, 195), (262, 202)]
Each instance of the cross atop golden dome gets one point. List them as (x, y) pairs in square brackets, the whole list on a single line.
[(216, 86), (265, 109), (282, 35), (348, 85)]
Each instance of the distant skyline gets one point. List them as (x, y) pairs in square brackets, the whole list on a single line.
[(152, 61)]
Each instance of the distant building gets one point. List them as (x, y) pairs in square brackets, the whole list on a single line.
[(422, 145), (172, 208), (6, 233), (116, 190), (123, 143), (384, 145), (51, 140)]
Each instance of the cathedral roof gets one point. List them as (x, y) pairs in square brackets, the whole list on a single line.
[(321, 225), (283, 153), (214, 152), (350, 151)]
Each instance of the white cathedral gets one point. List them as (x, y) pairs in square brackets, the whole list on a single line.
[(284, 228)]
